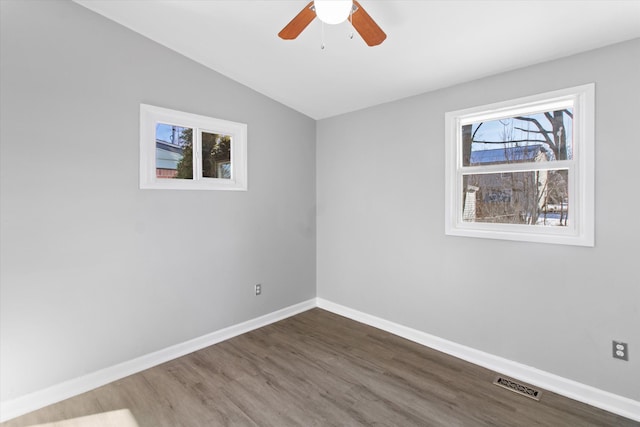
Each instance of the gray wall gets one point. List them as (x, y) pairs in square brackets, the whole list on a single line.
[(382, 249), (94, 270)]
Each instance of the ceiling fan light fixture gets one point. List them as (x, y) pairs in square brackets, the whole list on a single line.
[(333, 11), (338, 11)]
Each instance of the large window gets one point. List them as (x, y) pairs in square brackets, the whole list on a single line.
[(523, 169), (185, 151)]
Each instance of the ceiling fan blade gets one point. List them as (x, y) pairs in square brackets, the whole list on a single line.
[(370, 32), (299, 23)]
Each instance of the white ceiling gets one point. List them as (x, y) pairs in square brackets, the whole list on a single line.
[(430, 44)]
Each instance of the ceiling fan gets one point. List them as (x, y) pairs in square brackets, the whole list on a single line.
[(335, 12)]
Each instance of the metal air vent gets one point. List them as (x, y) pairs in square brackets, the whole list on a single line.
[(517, 387)]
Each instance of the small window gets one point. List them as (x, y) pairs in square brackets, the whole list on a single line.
[(523, 169), (183, 151)]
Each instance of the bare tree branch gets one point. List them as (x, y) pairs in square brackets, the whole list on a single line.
[(474, 132), (533, 131), (539, 126), (511, 141), (549, 116)]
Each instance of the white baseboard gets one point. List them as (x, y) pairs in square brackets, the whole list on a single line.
[(13, 408), (583, 393), (620, 405)]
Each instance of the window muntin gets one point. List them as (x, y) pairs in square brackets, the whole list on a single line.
[(523, 169), (186, 151)]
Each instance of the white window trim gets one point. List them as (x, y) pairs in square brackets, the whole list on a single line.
[(580, 231), (151, 115)]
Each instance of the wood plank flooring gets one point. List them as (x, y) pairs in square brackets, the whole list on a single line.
[(320, 369)]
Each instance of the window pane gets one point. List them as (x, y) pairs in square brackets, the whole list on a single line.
[(174, 153), (539, 137), (216, 155), (535, 197)]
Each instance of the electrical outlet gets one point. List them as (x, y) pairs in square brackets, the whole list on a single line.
[(258, 289), (620, 350)]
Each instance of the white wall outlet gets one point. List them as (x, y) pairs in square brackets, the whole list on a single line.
[(620, 350), (258, 289)]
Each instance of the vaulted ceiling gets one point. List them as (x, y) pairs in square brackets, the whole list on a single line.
[(430, 44)]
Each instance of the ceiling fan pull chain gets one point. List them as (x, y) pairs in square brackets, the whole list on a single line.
[(322, 44)]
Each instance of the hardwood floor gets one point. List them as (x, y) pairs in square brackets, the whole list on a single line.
[(320, 369)]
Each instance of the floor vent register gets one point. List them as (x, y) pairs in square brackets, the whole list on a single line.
[(517, 387)]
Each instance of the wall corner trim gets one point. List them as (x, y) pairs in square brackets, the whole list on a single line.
[(24, 404), (614, 403)]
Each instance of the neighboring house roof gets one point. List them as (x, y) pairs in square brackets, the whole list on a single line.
[(167, 155), (507, 155)]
